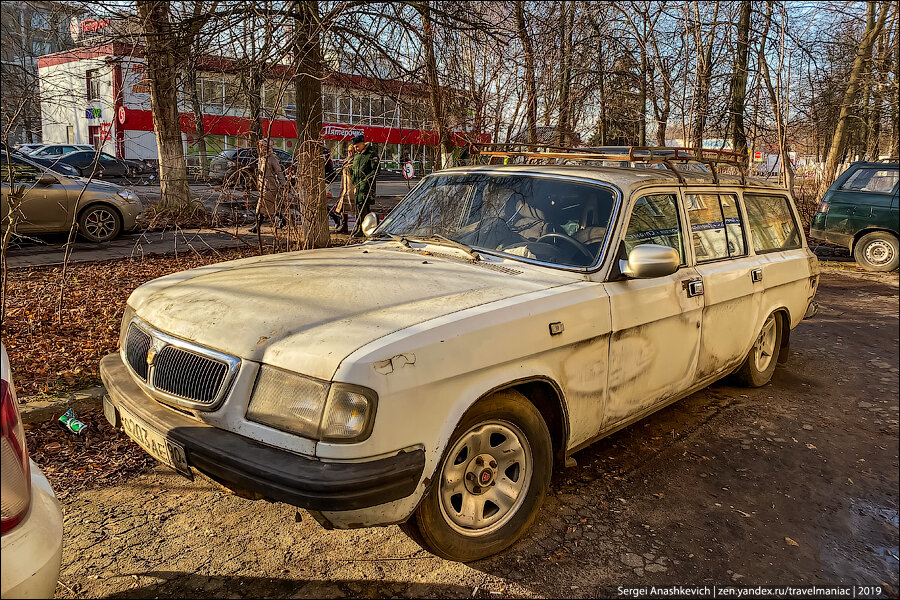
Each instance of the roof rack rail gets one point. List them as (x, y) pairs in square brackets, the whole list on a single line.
[(665, 155)]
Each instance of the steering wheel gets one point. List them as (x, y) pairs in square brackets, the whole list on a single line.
[(572, 241)]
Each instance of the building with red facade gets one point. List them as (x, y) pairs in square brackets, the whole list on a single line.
[(100, 95)]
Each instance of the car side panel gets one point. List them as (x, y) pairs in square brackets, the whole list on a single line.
[(431, 373), (790, 278), (460, 358), (731, 312)]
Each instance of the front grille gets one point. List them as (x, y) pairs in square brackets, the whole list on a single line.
[(137, 343), (188, 375)]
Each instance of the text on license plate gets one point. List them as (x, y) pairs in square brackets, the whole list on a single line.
[(157, 445)]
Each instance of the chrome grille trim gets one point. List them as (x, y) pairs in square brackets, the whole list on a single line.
[(183, 373), (137, 343), (187, 375)]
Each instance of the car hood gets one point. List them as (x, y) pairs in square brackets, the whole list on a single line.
[(307, 311)]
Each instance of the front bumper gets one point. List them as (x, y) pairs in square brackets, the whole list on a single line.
[(32, 552), (246, 465)]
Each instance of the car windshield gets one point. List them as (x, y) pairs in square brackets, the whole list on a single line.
[(551, 220)]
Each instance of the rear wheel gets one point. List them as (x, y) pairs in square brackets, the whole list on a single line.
[(759, 366), (490, 482), (100, 223), (877, 251)]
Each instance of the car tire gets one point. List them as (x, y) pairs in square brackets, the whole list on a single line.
[(464, 516), (759, 366), (877, 251), (99, 223)]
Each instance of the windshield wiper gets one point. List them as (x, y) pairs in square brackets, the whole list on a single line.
[(397, 238), (459, 245)]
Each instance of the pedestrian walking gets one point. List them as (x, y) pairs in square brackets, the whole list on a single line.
[(270, 181), (347, 198), (363, 174)]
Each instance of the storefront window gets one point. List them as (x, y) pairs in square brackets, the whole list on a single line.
[(234, 99), (344, 113)]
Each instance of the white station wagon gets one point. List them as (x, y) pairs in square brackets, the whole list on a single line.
[(501, 318)]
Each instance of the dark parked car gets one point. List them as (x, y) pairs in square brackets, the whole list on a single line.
[(238, 166), (52, 164), (107, 165), (859, 211)]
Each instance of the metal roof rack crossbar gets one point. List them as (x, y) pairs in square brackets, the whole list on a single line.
[(664, 155)]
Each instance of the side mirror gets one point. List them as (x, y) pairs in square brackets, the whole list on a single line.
[(369, 224), (650, 260), (47, 179)]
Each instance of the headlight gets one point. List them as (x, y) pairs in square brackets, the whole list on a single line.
[(128, 196), (314, 409), (288, 402)]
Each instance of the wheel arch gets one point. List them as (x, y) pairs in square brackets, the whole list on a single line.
[(784, 351), (547, 397), (870, 229)]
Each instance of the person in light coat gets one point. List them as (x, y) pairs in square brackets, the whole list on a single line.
[(270, 181), (346, 201)]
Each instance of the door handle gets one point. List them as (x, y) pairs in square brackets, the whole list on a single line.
[(694, 287), (756, 275)]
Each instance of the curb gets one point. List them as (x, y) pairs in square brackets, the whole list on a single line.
[(45, 410)]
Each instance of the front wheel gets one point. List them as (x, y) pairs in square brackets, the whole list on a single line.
[(759, 366), (490, 482), (877, 251), (100, 223)]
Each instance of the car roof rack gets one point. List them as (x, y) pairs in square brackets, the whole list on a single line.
[(664, 155)]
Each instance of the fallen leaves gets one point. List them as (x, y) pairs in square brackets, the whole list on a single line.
[(100, 455), (52, 358), (791, 542)]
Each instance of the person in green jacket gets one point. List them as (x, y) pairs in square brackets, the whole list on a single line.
[(363, 174)]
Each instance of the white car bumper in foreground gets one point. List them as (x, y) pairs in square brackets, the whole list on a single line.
[(31, 553)]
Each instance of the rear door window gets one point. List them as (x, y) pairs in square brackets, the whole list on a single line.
[(654, 220), (772, 224), (872, 179), (716, 228)]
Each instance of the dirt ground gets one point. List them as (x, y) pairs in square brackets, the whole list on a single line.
[(792, 483)]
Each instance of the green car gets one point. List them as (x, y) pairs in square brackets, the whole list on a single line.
[(859, 211)]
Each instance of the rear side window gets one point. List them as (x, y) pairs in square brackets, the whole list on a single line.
[(654, 220), (872, 179), (716, 228), (772, 224)]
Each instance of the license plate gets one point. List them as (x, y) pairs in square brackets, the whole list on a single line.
[(156, 444)]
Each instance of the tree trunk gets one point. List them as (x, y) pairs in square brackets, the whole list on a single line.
[(162, 70), (445, 146), (308, 89), (704, 77), (863, 53), (566, 19), (530, 84), (739, 79), (194, 95), (787, 169)]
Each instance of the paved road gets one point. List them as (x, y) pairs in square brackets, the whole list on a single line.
[(50, 249), (792, 483)]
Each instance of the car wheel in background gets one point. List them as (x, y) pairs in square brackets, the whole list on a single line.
[(759, 366), (100, 223), (877, 251), (489, 484)]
